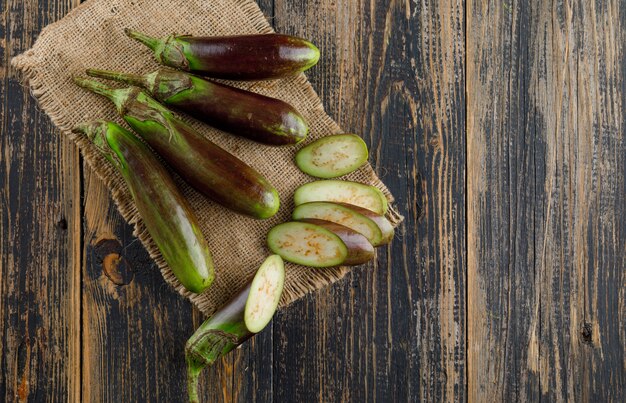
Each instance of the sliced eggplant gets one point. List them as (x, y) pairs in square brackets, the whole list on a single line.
[(332, 156), (307, 244), (265, 292), (357, 194), (244, 315), (360, 250), (383, 223), (341, 215)]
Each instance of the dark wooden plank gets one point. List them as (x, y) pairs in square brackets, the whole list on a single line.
[(581, 226), (134, 325), (394, 330), (546, 168), (40, 229), (501, 182)]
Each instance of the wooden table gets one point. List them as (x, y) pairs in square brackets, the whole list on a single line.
[(498, 125)]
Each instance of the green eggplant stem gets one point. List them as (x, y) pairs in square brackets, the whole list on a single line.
[(117, 95), (208, 345), (131, 79), (218, 335), (95, 86), (194, 368), (149, 41)]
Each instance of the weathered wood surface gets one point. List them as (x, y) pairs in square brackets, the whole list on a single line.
[(392, 331), (40, 259), (506, 281), (546, 189)]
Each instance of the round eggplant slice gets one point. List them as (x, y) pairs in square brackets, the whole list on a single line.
[(307, 244), (332, 156)]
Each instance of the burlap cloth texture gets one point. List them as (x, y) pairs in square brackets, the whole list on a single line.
[(92, 35)]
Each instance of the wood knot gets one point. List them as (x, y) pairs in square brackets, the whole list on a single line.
[(62, 224), (586, 333), (435, 143), (114, 266)]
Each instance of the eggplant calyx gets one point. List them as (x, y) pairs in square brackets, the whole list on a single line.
[(168, 83), (96, 131), (171, 52)]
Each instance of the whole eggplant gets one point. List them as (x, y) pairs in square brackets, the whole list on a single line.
[(207, 167), (244, 113), (163, 209), (242, 57)]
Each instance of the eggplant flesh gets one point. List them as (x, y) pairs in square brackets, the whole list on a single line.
[(332, 156), (338, 191), (383, 223), (341, 215), (307, 244)]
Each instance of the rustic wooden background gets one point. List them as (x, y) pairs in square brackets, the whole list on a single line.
[(499, 125)]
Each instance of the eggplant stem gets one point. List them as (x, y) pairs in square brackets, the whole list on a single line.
[(91, 130), (83, 128), (131, 79), (194, 368), (149, 41), (95, 86)]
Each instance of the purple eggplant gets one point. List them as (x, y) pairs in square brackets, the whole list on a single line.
[(242, 57), (207, 167), (243, 113)]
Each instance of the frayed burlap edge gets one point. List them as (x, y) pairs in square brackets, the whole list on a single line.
[(124, 202)]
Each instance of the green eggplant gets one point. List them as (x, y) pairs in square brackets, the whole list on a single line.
[(242, 57), (207, 167), (244, 113), (244, 315), (165, 212)]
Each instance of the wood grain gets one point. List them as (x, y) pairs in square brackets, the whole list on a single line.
[(40, 229), (506, 282), (546, 168)]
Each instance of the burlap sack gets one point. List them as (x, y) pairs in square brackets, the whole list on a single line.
[(92, 36)]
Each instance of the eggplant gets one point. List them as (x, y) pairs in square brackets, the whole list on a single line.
[(242, 57), (163, 209), (341, 215), (307, 244), (244, 315), (243, 113), (207, 167), (355, 193), (360, 250), (332, 156)]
